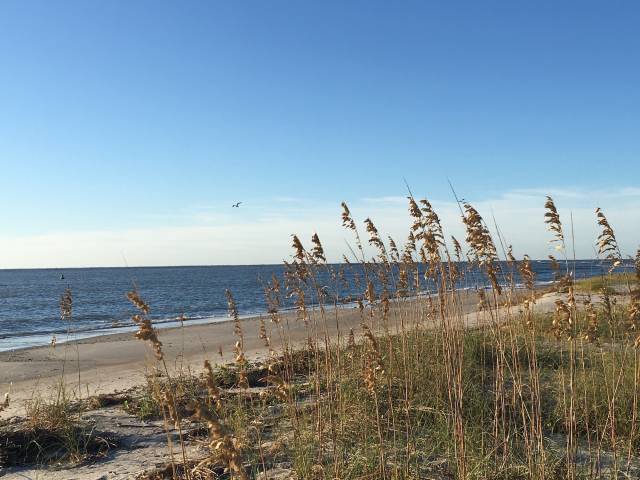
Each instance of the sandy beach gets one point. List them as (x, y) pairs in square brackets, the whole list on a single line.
[(118, 362)]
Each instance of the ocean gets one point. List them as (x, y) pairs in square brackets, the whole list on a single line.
[(30, 312)]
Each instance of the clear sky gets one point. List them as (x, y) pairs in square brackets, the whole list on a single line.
[(128, 128)]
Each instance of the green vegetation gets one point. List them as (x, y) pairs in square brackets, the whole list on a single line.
[(425, 391), (523, 387), (54, 433), (612, 283)]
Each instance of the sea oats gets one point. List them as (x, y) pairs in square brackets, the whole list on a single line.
[(402, 285), (317, 252), (347, 219), (215, 395), (66, 304), (240, 358), (374, 364), (223, 446), (527, 273), (145, 332), (607, 242), (457, 248), (563, 320), (481, 243), (134, 297), (262, 333), (370, 293), (552, 218), (592, 331), (393, 249), (375, 240), (299, 249)]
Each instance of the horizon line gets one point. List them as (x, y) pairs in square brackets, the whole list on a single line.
[(267, 264)]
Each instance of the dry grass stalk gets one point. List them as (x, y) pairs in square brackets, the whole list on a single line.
[(393, 249), (373, 350), (457, 248), (481, 243), (145, 332), (240, 359), (527, 274), (224, 448), (66, 305), (592, 331), (215, 395), (376, 241), (317, 252), (168, 400), (511, 260), (607, 242), (374, 366), (350, 224), (552, 218), (134, 297), (347, 219), (563, 320), (164, 396), (262, 334), (299, 249)]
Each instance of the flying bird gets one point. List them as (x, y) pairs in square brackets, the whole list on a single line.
[(236, 205)]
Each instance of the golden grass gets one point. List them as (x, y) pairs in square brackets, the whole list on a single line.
[(417, 392)]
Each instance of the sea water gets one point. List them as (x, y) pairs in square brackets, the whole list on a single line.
[(30, 311)]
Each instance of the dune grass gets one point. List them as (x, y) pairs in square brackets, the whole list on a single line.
[(423, 392), (421, 389), (611, 283)]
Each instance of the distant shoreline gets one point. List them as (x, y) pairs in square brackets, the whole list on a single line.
[(124, 267)]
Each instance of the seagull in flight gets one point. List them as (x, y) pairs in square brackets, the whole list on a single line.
[(236, 205)]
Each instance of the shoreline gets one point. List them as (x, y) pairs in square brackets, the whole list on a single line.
[(81, 335), (160, 325), (118, 362), (16, 341), (172, 323)]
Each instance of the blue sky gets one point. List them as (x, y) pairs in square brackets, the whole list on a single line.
[(128, 128)]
